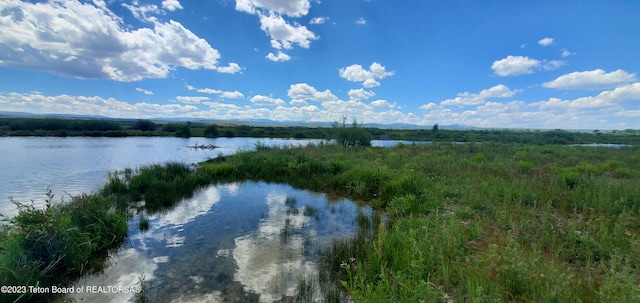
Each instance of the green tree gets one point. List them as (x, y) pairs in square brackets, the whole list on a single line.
[(211, 131), (184, 131), (170, 127), (144, 125), (354, 135)]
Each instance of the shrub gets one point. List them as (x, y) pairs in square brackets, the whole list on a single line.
[(407, 184), (144, 125), (355, 135), (184, 131), (525, 166), (570, 179), (479, 158), (335, 167), (211, 131)]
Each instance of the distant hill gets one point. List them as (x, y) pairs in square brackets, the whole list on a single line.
[(69, 116)]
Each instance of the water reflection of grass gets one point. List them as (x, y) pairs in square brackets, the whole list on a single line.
[(311, 211), (286, 231), (305, 291)]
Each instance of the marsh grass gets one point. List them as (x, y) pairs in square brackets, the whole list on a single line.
[(158, 185), (471, 223), (464, 222), (141, 297), (57, 244), (143, 223)]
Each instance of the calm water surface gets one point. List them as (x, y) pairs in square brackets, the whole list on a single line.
[(225, 243), (73, 165), (239, 242)]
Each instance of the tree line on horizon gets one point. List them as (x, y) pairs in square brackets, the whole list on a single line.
[(347, 134)]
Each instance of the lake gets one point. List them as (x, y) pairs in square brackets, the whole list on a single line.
[(238, 242), (73, 165)]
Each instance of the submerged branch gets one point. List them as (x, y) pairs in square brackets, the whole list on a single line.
[(202, 146)]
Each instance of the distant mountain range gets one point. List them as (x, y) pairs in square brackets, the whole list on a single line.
[(256, 122), (68, 116)]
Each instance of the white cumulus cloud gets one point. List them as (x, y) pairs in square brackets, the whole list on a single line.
[(266, 101), (171, 5), (370, 83), (94, 105), (318, 20), (231, 68), (191, 99), (382, 104), (356, 73), (546, 41), (605, 101), (520, 65), (222, 94), (86, 40), (304, 91), (143, 12), (284, 33), (298, 103), (467, 98), (280, 57), (231, 95), (594, 79), (291, 8), (514, 65), (360, 94), (429, 106), (144, 91), (361, 21)]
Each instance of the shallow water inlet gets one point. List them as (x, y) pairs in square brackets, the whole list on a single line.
[(238, 242)]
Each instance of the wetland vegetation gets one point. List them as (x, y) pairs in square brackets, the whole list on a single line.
[(478, 222), (487, 222)]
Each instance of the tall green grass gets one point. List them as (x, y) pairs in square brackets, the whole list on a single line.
[(472, 222), (55, 245), (158, 185)]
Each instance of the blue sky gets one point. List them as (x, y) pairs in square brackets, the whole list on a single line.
[(499, 64)]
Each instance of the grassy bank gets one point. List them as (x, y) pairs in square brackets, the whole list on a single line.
[(55, 245), (487, 222), (475, 222)]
